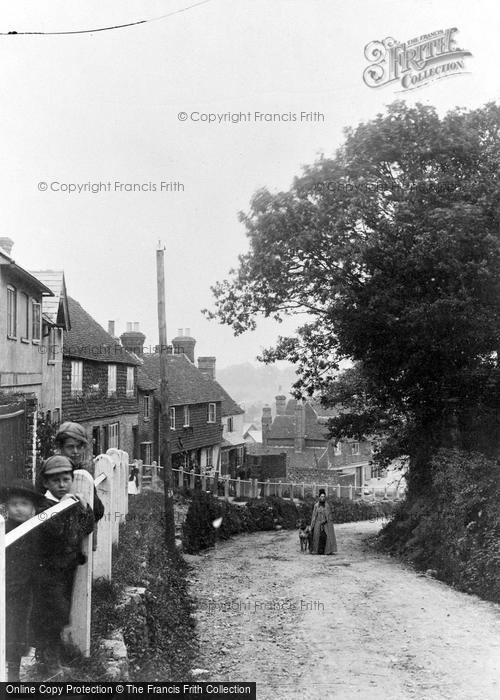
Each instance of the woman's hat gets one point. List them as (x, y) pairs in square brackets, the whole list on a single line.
[(69, 429), (56, 465), (20, 487)]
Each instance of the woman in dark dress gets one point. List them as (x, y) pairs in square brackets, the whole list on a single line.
[(323, 533)]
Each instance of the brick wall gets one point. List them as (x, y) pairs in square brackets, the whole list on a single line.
[(96, 404)]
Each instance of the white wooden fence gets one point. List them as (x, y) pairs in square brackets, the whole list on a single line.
[(223, 485), (111, 482)]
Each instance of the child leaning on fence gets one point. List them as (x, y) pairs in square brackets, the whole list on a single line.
[(60, 548), (21, 564)]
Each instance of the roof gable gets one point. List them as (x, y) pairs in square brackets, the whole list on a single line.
[(55, 308), (186, 384), (88, 340)]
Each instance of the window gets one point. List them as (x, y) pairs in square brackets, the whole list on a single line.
[(187, 417), (338, 448), (146, 406), (211, 413), (130, 381), (230, 424), (355, 448), (26, 317), (210, 453), (11, 312), (172, 418), (76, 377), (36, 321), (111, 380), (147, 450), (114, 434), (51, 354)]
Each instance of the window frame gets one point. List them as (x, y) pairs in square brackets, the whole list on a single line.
[(26, 303), (355, 451), (130, 374), (212, 406), (114, 435), (112, 372), (230, 425), (186, 416), (171, 417), (51, 350), (146, 406), (11, 312), (36, 338), (78, 390)]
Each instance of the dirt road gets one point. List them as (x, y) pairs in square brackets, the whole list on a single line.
[(355, 625)]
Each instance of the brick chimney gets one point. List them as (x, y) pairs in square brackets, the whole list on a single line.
[(133, 339), (6, 244), (300, 427), (184, 343), (111, 328), (267, 419), (280, 405), (206, 365)]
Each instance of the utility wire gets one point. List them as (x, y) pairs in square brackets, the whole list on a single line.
[(107, 29)]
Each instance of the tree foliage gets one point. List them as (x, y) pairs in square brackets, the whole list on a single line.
[(391, 249)]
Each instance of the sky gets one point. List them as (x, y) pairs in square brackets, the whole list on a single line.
[(105, 107)]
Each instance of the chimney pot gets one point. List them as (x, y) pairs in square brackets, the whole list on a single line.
[(206, 365), (187, 331), (180, 332), (111, 328), (6, 243)]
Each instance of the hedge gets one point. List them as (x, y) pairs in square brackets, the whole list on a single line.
[(455, 529), (261, 514)]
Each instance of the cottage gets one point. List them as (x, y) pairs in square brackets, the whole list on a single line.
[(299, 429), (99, 383)]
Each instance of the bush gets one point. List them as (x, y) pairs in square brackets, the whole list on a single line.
[(262, 514), (455, 530), (160, 637)]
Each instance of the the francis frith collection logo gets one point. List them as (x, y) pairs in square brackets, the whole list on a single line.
[(415, 62)]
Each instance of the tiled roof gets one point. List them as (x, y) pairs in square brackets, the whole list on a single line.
[(88, 340), (283, 426), (54, 308), (143, 381), (229, 406), (314, 430), (186, 384)]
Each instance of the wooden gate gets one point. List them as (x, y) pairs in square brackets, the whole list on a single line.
[(12, 440)]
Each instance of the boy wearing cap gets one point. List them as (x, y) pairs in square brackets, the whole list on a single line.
[(71, 441), (21, 562), (60, 542)]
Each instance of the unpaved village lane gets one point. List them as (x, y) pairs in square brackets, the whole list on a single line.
[(355, 625)]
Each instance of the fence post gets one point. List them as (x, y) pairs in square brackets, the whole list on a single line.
[(138, 463), (117, 492), (350, 492), (280, 488), (226, 488), (103, 465), (396, 493), (385, 490), (78, 631), (238, 487), (267, 488), (3, 666), (338, 490), (180, 481), (204, 482), (191, 479)]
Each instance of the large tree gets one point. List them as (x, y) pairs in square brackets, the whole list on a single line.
[(392, 249)]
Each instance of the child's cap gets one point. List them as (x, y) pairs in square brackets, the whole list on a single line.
[(71, 430), (20, 487), (56, 465)]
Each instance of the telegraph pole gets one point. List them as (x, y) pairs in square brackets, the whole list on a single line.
[(165, 449)]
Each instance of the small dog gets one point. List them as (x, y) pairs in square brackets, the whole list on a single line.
[(304, 536)]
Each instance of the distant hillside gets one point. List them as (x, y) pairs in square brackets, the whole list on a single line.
[(253, 386)]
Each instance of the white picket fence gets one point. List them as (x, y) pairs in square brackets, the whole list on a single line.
[(111, 472), (223, 485)]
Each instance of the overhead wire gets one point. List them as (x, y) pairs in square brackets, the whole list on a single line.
[(111, 27)]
